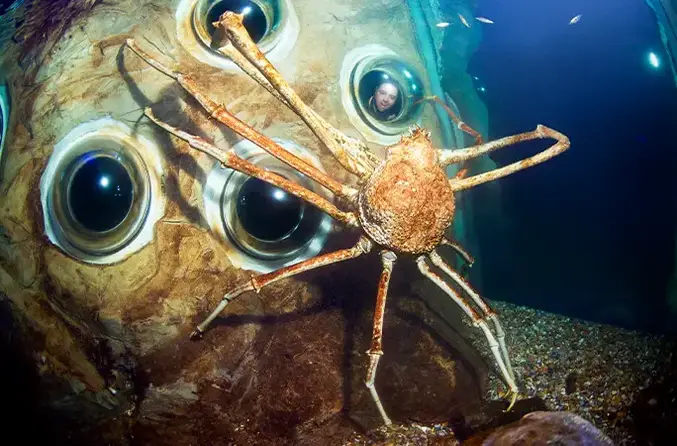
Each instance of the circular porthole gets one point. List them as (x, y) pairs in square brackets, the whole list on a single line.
[(380, 93), (99, 193), (261, 18), (272, 24), (268, 227)]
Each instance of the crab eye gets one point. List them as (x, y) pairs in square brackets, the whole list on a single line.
[(99, 195), (268, 226)]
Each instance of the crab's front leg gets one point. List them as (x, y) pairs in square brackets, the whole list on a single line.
[(221, 114), (231, 160), (352, 154)]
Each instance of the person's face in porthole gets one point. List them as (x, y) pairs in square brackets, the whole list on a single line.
[(385, 96)]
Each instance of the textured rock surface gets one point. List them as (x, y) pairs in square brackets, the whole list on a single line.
[(102, 352), (545, 428)]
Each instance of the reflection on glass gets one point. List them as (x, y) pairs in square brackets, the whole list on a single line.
[(100, 194), (266, 212), (254, 18)]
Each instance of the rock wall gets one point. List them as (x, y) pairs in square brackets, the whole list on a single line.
[(109, 343)]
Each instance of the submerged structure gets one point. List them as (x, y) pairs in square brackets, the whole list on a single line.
[(118, 239)]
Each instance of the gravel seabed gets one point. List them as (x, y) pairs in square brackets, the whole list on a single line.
[(593, 370)]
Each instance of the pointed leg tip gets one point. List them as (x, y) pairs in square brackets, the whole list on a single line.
[(512, 402), (196, 334)]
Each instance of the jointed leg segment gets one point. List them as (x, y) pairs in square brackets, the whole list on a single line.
[(353, 155), (221, 114), (460, 250), (231, 160), (256, 283), (459, 156), (375, 352), (479, 321), (486, 310), (460, 124), (463, 170)]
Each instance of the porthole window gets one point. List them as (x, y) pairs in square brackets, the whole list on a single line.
[(380, 92), (267, 227), (272, 24), (261, 18), (99, 193)]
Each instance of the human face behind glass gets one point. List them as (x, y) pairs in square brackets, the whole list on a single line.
[(385, 96)]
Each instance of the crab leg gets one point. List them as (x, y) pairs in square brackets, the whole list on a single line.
[(388, 259), (460, 250), (447, 157), (463, 170), (460, 124), (489, 313), (230, 52), (256, 283), (230, 159), (221, 42), (477, 321), (221, 114), (352, 154)]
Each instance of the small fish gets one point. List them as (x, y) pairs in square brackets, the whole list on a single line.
[(464, 21), (484, 20), (442, 24), (575, 19)]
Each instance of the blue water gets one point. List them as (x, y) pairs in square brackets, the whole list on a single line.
[(591, 233)]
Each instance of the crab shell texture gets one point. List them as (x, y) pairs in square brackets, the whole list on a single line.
[(407, 203)]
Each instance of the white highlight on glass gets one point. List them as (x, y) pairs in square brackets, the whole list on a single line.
[(278, 195)]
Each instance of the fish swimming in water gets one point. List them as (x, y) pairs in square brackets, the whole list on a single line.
[(575, 19), (442, 24), (464, 21), (484, 20)]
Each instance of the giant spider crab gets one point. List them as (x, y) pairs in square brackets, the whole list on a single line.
[(403, 205)]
